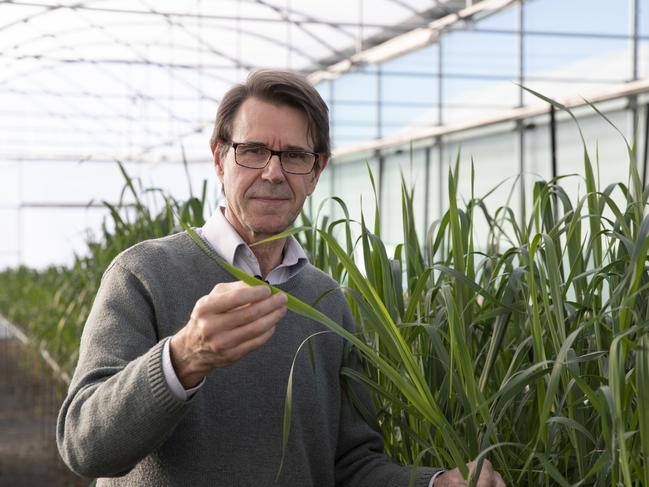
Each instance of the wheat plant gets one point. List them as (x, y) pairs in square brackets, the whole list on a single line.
[(526, 344)]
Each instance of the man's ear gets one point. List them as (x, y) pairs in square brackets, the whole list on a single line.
[(322, 163), (217, 159)]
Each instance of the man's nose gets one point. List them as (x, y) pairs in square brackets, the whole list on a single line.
[(273, 171)]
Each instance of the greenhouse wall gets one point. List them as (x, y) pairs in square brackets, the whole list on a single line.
[(469, 77)]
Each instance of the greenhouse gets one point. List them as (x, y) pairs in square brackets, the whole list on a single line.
[(457, 214)]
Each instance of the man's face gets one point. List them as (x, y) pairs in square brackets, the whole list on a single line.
[(264, 202)]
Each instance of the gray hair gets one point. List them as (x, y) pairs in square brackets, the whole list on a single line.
[(278, 88)]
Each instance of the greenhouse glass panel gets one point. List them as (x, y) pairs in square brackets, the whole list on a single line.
[(579, 16), (401, 119), (421, 62), (411, 165), (584, 50), (465, 100), (494, 155), (325, 89), (74, 182), (353, 122), (408, 101), (606, 149), (577, 62), (355, 107), (537, 153), (67, 232), (643, 56), (643, 139), (409, 91), (504, 20), (351, 183), (322, 193), (476, 63), (10, 245), (9, 183), (437, 187), (178, 181), (475, 54)]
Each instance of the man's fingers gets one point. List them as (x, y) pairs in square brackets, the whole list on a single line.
[(249, 313), (488, 477), (251, 331), (227, 299), (249, 346), (450, 478), (485, 468), (228, 296)]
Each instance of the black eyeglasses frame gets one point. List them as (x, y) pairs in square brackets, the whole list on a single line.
[(277, 153)]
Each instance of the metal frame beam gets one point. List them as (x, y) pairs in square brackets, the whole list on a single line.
[(630, 89)]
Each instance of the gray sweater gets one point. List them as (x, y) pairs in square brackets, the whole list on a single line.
[(122, 424)]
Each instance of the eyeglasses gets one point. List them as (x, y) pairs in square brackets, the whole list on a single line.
[(256, 156)]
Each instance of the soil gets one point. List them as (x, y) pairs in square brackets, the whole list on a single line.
[(29, 403)]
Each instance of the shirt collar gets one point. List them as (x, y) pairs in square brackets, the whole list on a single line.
[(226, 241), (221, 235)]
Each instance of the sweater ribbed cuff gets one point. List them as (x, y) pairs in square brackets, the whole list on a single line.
[(159, 387), (425, 476)]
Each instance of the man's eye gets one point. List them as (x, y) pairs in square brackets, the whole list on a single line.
[(252, 150), (296, 155)]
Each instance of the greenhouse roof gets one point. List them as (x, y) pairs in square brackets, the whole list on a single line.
[(139, 80)]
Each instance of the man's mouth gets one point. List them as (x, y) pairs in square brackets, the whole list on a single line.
[(269, 198)]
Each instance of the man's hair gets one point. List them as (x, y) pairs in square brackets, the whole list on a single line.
[(278, 88)]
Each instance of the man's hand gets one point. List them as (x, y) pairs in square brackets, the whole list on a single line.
[(230, 322), (488, 477)]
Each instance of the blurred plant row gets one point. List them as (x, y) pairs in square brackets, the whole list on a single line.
[(52, 305), (527, 345)]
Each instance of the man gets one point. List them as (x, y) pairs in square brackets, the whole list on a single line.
[(182, 370)]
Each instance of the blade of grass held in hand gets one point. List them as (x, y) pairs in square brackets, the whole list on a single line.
[(413, 392)]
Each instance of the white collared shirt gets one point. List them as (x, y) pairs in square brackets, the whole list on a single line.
[(226, 241), (221, 236)]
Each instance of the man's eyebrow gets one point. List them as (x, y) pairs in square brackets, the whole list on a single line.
[(287, 147), (296, 147)]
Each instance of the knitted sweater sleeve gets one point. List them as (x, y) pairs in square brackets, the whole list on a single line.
[(360, 460), (119, 407)]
